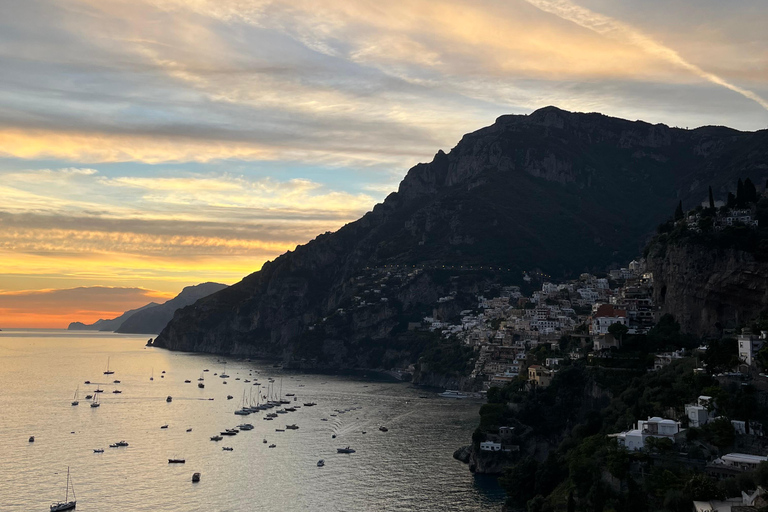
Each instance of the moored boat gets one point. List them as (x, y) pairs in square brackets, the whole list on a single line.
[(196, 477), (321, 463), (345, 450), (66, 504), (176, 461)]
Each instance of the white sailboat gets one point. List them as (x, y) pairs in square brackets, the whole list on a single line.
[(108, 372), (95, 402), (66, 504), (75, 401)]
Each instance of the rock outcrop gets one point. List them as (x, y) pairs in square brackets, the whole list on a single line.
[(709, 289), (554, 190)]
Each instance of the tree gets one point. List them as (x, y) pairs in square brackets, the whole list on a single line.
[(750, 192), (740, 192), (711, 198), (618, 331), (701, 487), (679, 211)]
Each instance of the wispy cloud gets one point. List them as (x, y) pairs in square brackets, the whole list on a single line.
[(617, 30)]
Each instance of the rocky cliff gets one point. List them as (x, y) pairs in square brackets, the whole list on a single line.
[(111, 324), (709, 289), (554, 190)]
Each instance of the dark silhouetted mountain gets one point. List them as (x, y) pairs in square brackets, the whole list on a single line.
[(555, 191), (153, 320), (108, 325)]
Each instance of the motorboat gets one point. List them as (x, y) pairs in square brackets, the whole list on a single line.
[(98, 450), (383, 429), (345, 450), (116, 391), (31, 439), (321, 463), (87, 382), (115, 381), (189, 430), (243, 412), (200, 385), (292, 427), (187, 381), (196, 477), (290, 394), (118, 444), (88, 397), (279, 430), (452, 393), (230, 397), (265, 441), (228, 433), (227, 448), (169, 398), (176, 461), (272, 445), (164, 426), (245, 426), (224, 376), (216, 438), (66, 504)]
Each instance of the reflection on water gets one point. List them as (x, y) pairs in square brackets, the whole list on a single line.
[(407, 468)]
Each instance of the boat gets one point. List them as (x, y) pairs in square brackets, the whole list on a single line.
[(98, 390), (200, 385), (279, 430), (196, 477), (224, 376), (87, 382), (242, 412), (309, 404), (66, 504), (108, 371), (383, 429), (187, 381), (333, 436), (216, 438), (245, 426), (164, 426), (163, 371), (272, 445), (228, 433), (74, 400), (169, 398), (88, 397), (95, 402), (292, 427), (176, 461), (117, 391), (206, 370), (118, 444), (31, 439), (230, 397), (290, 394), (152, 376), (98, 450), (345, 450), (321, 463), (452, 393), (189, 430), (227, 448), (265, 441), (116, 381)]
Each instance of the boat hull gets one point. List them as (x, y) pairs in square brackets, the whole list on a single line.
[(58, 507)]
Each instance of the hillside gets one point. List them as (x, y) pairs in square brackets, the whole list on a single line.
[(110, 324), (152, 318), (556, 191)]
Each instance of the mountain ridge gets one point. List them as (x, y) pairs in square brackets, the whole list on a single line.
[(556, 191)]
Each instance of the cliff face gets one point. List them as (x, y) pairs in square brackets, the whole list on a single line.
[(554, 190), (709, 289)]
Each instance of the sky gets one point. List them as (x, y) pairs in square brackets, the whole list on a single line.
[(147, 145)]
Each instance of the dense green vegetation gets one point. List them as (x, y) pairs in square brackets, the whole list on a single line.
[(585, 469)]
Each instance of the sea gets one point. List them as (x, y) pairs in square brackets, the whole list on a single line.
[(409, 467)]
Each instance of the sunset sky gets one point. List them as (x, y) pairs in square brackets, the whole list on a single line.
[(146, 145)]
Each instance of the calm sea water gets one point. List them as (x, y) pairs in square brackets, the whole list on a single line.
[(407, 468)]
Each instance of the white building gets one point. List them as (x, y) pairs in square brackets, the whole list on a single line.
[(749, 346), (660, 428), (605, 316), (740, 461), (490, 446), (698, 413)]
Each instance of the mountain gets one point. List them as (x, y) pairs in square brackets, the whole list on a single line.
[(151, 319), (553, 191), (108, 325)]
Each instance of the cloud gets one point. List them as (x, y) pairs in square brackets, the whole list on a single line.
[(614, 29), (57, 307)]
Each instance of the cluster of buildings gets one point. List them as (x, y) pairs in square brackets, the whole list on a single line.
[(723, 218), (506, 326)]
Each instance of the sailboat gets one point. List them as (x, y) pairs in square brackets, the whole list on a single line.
[(95, 402), (108, 372), (75, 401), (66, 504)]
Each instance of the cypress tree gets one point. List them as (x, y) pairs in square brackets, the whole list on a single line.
[(740, 192), (679, 211), (750, 192), (712, 198)]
